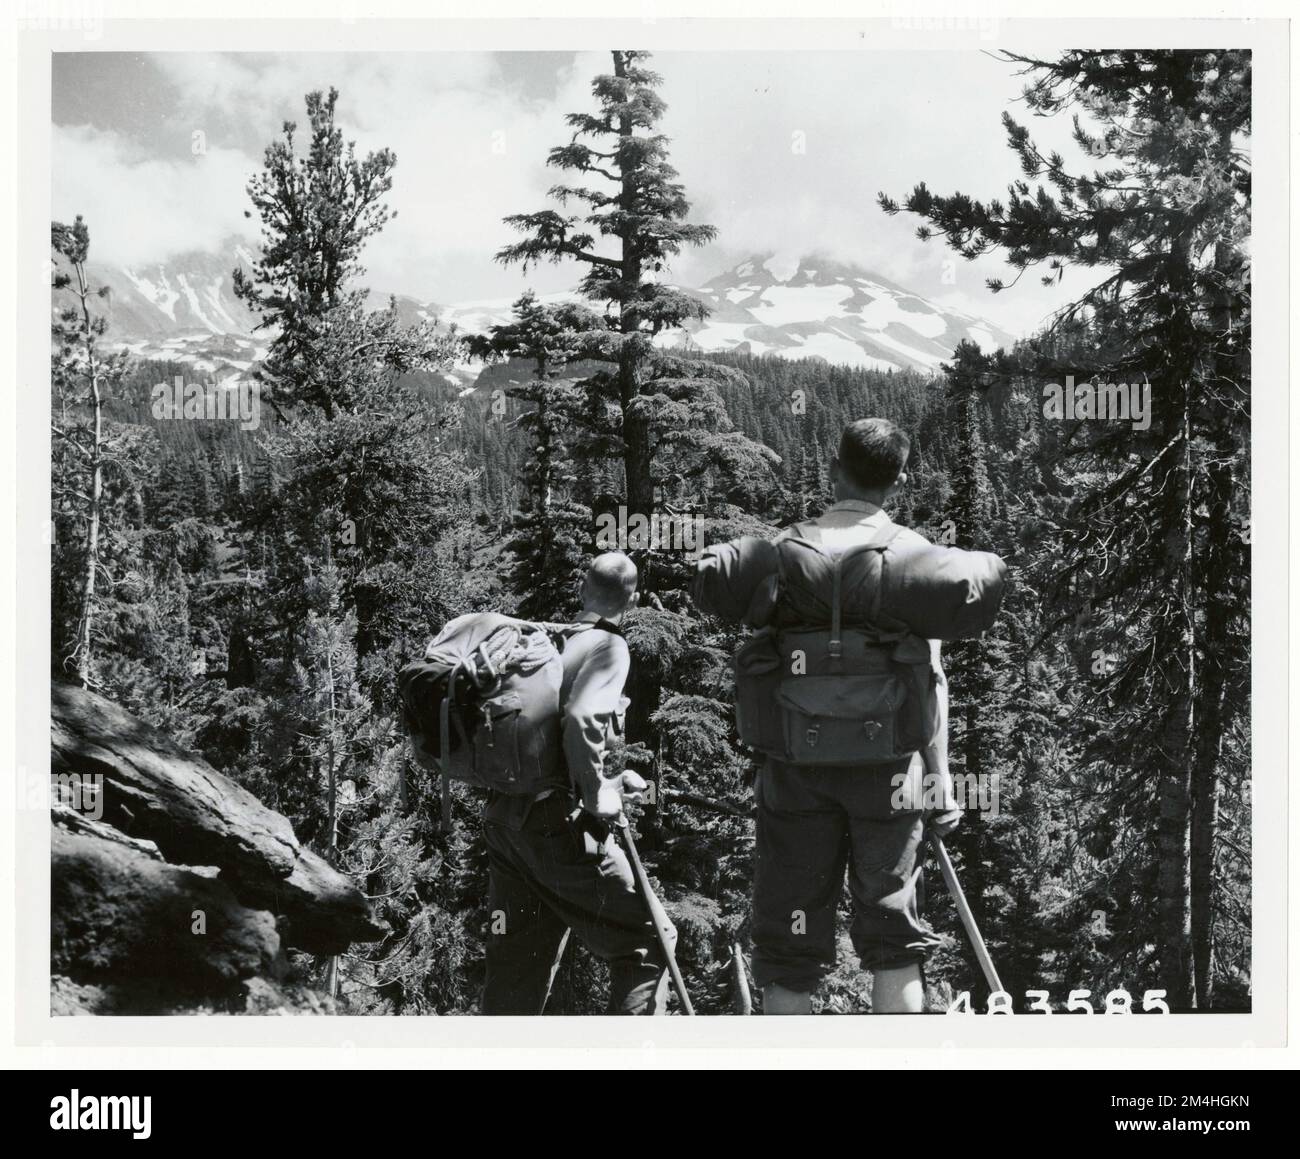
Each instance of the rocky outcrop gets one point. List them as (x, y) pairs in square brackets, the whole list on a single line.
[(321, 911), (171, 886), (153, 788), (115, 911)]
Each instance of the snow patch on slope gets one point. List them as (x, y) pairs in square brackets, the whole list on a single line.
[(162, 296), (880, 312), (192, 298), (783, 305)]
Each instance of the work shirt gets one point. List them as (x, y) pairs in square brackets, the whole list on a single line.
[(851, 522), (596, 664)]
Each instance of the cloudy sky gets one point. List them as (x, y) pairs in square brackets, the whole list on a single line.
[(784, 153)]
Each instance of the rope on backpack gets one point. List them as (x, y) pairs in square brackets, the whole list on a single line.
[(507, 651)]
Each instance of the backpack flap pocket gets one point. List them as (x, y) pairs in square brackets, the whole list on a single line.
[(841, 720), (759, 673), (496, 741), (919, 719)]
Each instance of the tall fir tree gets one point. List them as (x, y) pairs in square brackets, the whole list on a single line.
[(1170, 217), (661, 414), (552, 533)]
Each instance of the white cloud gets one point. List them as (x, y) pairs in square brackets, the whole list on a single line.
[(469, 151), (783, 152), (141, 208)]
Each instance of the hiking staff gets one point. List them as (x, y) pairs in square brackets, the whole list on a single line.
[(744, 1000), (964, 912), (555, 968), (658, 915)]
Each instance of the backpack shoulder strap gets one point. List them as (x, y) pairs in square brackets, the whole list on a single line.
[(882, 539), (835, 649), (444, 747), (567, 632)]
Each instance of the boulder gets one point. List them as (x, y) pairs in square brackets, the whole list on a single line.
[(156, 790), (70, 819), (320, 910), (160, 797), (173, 889), (116, 912)]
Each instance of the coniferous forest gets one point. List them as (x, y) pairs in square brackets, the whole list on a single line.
[(253, 593)]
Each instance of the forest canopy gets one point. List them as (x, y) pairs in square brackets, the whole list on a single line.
[(254, 592)]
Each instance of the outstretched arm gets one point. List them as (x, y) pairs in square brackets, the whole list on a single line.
[(594, 702)]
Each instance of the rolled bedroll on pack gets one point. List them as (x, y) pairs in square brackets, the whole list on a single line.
[(937, 592)]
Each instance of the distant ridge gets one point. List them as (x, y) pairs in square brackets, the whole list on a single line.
[(184, 310)]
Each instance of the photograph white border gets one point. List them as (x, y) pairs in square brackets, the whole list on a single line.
[(730, 1041)]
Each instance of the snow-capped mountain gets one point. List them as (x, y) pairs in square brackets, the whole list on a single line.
[(818, 308), (811, 308), (190, 294), (181, 310), (185, 310)]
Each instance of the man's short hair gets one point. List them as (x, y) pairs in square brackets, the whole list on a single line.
[(611, 581), (873, 452)]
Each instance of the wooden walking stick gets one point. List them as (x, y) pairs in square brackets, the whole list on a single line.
[(963, 911), (744, 1000), (658, 915), (555, 968)]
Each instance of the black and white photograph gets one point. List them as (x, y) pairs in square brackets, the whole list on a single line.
[(657, 518)]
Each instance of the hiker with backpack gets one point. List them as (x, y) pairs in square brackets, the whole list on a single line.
[(532, 723), (842, 690)]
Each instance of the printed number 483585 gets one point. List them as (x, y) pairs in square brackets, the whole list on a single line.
[(1116, 1002)]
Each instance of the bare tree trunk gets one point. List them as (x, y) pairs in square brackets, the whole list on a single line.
[(331, 855), (331, 768), (1174, 923), (1205, 828), (85, 621), (1219, 577), (1174, 876), (636, 433), (1218, 580)]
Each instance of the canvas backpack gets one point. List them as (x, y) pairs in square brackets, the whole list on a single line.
[(483, 705), (827, 693)]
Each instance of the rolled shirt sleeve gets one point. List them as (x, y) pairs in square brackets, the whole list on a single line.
[(595, 705)]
